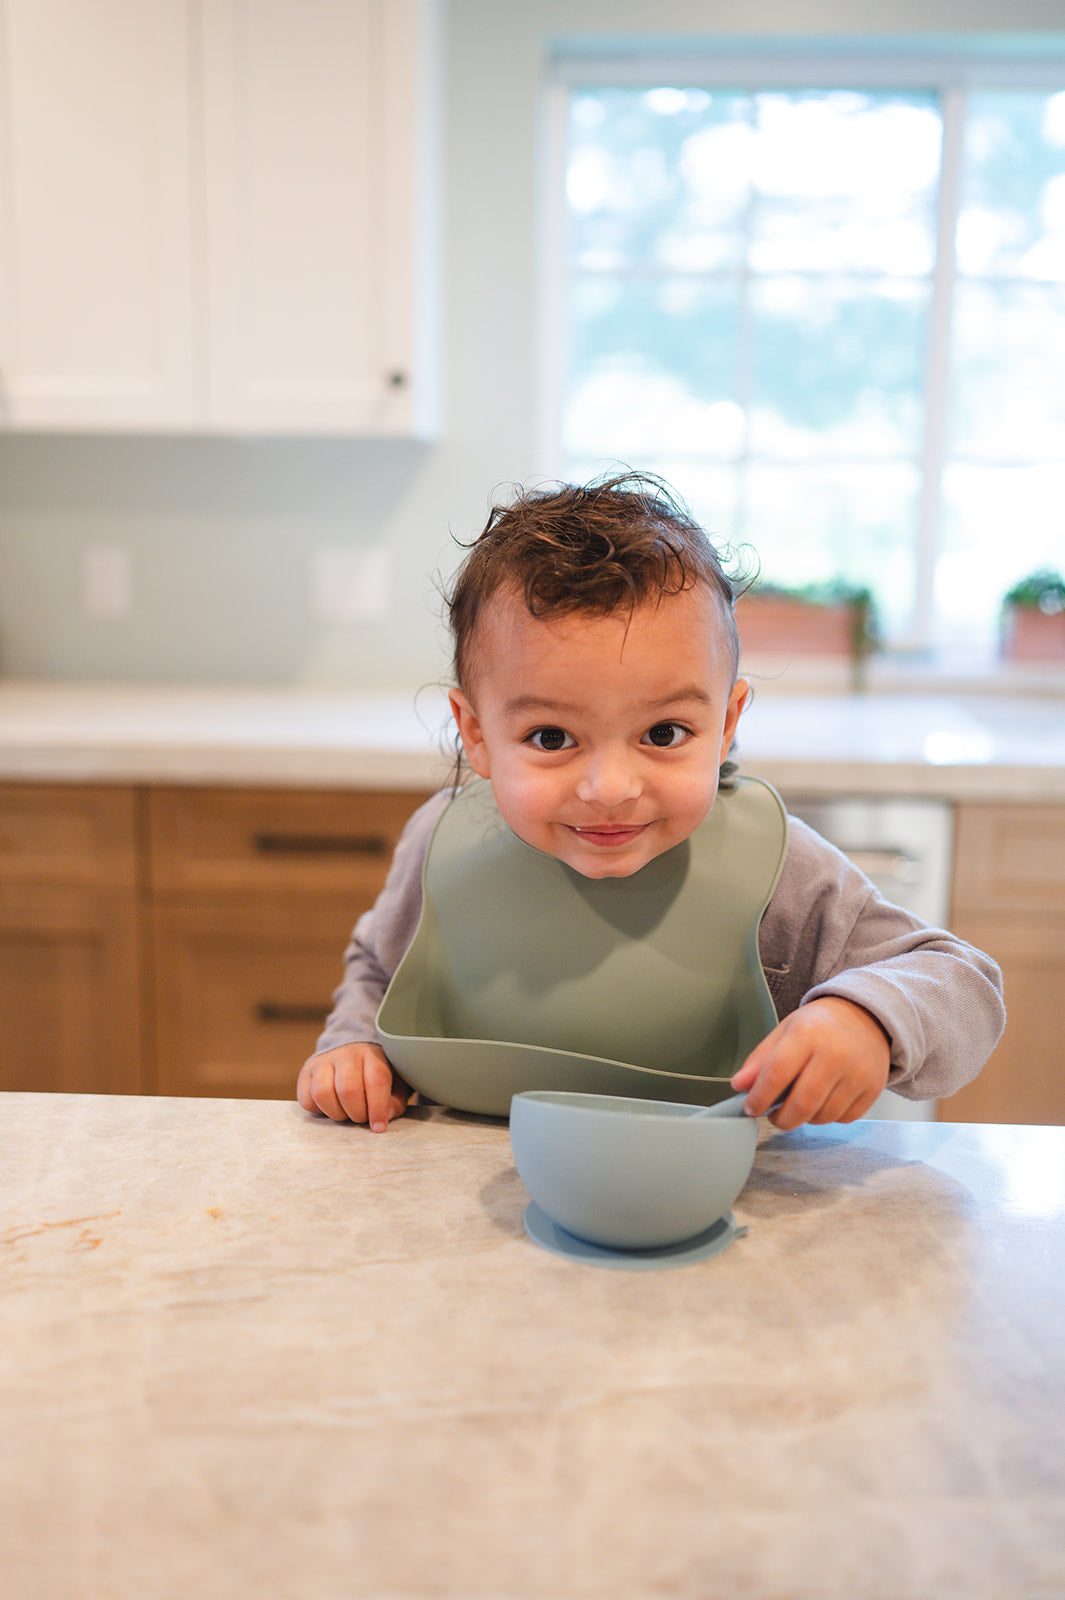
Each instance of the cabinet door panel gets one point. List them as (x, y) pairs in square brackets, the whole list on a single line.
[(243, 990), (1010, 858), (96, 312), (52, 833), (70, 1001), (1023, 1081), (310, 167)]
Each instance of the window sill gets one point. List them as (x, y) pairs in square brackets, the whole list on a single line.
[(808, 674)]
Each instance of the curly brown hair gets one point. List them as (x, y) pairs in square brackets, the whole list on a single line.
[(608, 545)]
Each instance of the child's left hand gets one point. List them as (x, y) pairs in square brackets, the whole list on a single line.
[(834, 1055)]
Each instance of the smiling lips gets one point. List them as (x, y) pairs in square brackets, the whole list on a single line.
[(611, 833)]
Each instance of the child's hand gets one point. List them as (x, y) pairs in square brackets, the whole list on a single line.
[(353, 1083), (834, 1055)]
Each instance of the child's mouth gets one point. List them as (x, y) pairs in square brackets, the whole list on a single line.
[(611, 834)]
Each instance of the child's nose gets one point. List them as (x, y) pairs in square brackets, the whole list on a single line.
[(609, 778)]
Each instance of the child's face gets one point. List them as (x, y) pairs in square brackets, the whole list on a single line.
[(601, 736)]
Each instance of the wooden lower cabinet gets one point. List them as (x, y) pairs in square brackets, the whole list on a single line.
[(1009, 899), (180, 941)]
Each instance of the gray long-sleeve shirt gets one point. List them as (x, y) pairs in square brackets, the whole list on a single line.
[(826, 931)]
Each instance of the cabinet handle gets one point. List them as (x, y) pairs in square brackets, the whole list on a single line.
[(320, 844), (277, 1011)]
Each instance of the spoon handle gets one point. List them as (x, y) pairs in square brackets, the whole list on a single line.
[(733, 1106)]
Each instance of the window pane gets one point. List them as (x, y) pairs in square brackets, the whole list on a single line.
[(845, 181), (653, 368), (1012, 220), (812, 524), (1009, 372), (657, 177), (838, 367)]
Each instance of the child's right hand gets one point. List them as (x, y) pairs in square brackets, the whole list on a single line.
[(353, 1083)]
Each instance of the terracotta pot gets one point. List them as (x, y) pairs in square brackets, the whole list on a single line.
[(1032, 635), (774, 624)]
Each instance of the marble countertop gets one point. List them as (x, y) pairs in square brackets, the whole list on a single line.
[(955, 746), (307, 738), (247, 1351)]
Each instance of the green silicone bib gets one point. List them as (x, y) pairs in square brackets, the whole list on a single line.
[(523, 974)]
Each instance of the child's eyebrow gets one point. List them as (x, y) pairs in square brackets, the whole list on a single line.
[(532, 702), (523, 703), (677, 697)]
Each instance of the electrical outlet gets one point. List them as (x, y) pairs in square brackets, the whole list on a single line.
[(350, 584), (106, 586)]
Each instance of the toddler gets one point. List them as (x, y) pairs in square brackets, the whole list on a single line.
[(596, 692)]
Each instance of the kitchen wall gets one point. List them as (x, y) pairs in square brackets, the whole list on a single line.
[(219, 531)]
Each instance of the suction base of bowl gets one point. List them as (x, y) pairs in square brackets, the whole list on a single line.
[(710, 1242)]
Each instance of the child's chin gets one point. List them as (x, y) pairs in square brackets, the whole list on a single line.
[(616, 870), (623, 864)]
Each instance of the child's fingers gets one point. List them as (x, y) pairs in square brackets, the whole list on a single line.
[(815, 1087), (771, 1069), (802, 1095), (830, 1057), (790, 1069), (354, 1083), (357, 1077), (849, 1101), (377, 1083), (304, 1091), (385, 1093), (316, 1088), (745, 1076)]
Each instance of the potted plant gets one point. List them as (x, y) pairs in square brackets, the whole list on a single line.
[(1033, 618), (827, 619)]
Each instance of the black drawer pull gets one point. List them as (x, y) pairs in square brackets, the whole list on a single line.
[(321, 844), (277, 1011)]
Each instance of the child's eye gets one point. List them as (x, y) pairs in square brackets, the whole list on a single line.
[(551, 739), (664, 735)]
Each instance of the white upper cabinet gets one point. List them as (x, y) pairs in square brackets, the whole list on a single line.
[(96, 276), (314, 129), (216, 215)]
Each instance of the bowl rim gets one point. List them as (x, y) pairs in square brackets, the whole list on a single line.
[(586, 1103)]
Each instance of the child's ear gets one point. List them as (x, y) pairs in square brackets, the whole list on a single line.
[(737, 700), (470, 732)]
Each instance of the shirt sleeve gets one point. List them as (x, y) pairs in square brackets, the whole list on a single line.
[(381, 936), (828, 931)]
